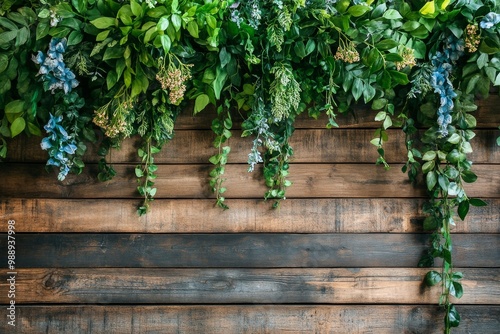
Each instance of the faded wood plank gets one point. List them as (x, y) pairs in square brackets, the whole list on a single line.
[(242, 250), (236, 286), (353, 215), (191, 181), (249, 319), (310, 146)]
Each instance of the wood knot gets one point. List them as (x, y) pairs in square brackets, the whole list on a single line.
[(53, 280)]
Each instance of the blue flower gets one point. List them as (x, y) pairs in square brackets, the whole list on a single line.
[(53, 70), (489, 20), (60, 145), (440, 80), (46, 143), (53, 123)]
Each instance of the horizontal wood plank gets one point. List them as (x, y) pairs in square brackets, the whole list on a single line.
[(242, 250), (242, 286), (249, 319), (191, 181), (310, 146), (361, 116), (353, 215)]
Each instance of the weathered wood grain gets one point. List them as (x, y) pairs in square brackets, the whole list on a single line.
[(250, 319), (191, 181), (343, 215), (242, 286), (310, 146), (242, 250)]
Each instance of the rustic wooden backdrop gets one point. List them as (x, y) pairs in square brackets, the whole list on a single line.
[(339, 256)]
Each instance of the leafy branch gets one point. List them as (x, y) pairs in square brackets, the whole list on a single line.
[(145, 173)]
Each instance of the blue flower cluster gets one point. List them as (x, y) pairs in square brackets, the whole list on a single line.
[(54, 72), (59, 145), (490, 20), (440, 79)]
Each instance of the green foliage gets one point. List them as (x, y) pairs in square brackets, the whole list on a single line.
[(138, 63), (221, 126), (145, 173)]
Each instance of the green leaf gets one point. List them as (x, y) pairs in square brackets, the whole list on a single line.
[(357, 88), (379, 104), (224, 57), (75, 37), (392, 14), (4, 62), (113, 53), (310, 46), (14, 107), (17, 126), (34, 130), (454, 138), (165, 43), (386, 44), (458, 289), (428, 166), (192, 28), (393, 57), (163, 23), (399, 77), (430, 223), (419, 49), (6, 23), (358, 10), (136, 88), (211, 21), (381, 115), (102, 35), (387, 122), (447, 255), (7, 36), (369, 93), (136, 8), (104, 22), (300, 49), (429, 155), (431, 180), (482, 60), (220, 79), (138, 172), (477, 202), (432, 278), (468, 176), (176, 21), (463, 209), (410, 25), (452, 317), (443, 182), (200, 103), (428, 10)]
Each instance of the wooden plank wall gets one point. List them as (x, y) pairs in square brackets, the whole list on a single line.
[(339, 256)]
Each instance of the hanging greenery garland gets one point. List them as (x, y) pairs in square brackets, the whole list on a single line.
[(73, 71)]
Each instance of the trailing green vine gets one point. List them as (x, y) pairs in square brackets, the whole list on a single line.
[(221, 126), (75, 71)]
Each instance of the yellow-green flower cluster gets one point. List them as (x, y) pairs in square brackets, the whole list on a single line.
[(347, 53), (113, 117), (173, 78), (408, 58), (472, 38)]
